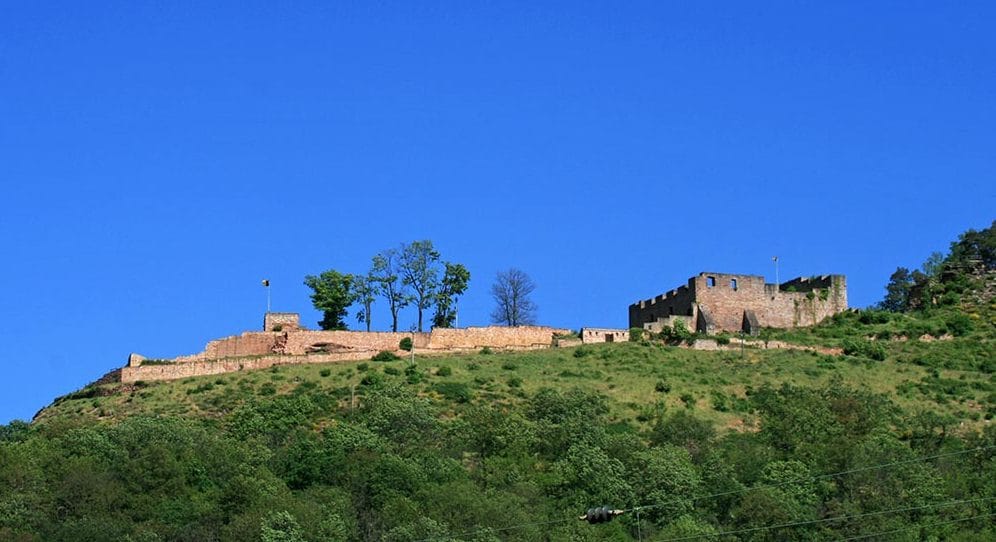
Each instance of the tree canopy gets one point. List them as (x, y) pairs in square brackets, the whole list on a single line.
[(455, 280), (419, 265), (332, 293)]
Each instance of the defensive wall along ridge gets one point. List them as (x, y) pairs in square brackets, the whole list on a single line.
[(284, 342)]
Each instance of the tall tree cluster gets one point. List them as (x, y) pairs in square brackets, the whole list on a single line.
[(412, 274), (942, 278)]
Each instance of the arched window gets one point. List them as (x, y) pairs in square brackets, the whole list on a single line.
[(733, 283)]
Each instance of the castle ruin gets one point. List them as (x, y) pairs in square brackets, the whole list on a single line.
[(722, 302), (284, 341)]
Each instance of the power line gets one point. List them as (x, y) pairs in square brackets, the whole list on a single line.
[(727, 493), (828, 520), (910, 528)]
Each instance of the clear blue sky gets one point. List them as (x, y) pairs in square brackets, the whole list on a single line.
[(157, 162)]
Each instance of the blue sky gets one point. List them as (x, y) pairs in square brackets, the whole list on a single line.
[(158, 161)]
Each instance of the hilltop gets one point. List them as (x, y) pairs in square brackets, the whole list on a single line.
[(882, 428)]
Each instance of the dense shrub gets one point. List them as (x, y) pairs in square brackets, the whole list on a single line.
[(385, 355), (864, 348), (454, 391)]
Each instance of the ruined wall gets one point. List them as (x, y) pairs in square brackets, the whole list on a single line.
[(505, 338), (259, 350), (281, 321), (677, 302), (725, 297), (252, 343), (661, 323), (603, 335), (814, 300), (173, 371), (306, 342)]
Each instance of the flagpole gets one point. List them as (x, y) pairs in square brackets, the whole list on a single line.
[(777, 284)]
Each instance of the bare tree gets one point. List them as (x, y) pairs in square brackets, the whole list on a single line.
[(511, 292)]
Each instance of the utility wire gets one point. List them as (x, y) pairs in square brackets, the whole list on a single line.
[(829, 520), (726, 493), (910, 528)]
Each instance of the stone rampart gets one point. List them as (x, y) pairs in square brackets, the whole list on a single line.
[(259, 350), (719, 301), (504, 338), (307, 342)]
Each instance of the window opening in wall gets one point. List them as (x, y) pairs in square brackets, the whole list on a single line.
[(710, 282), (670, 311), (733, 283)]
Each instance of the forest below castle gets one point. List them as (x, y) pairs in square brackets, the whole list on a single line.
[(891, 440)]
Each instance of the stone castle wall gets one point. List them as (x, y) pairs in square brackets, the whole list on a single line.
[(591, 335), (725, 297), (281, 321), (259, 350), (774, 307)]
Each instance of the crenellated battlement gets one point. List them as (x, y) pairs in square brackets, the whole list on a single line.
[(716, 302)]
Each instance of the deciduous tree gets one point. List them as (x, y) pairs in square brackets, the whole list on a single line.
[(453, 285), (419, 263), (332, 293), (365, 288), (385, 273), (511, 292)]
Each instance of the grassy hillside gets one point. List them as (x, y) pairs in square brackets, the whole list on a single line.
[(639, 380), (891, 440), (512, 446)]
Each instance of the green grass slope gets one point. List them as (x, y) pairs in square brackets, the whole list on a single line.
[(512, 446)]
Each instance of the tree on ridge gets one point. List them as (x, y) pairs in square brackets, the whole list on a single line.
[(418, 263), (332, 293), (511, 292), (385, 272)]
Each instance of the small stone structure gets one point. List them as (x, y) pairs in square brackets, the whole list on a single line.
[(603, 335), (281, 321), (292, 344), (717, 302)]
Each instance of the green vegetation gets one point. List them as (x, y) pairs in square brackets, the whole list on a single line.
[(385, 355), (456, 277), (894, 433), (332, 293), (482, 442)]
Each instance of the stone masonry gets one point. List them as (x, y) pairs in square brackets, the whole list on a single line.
[(603, 335), (261, 349), (281, 321), (718, 302)]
